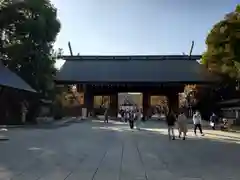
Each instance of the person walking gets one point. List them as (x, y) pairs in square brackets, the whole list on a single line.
[(138, 118), (171, 119), (182, 125), (121, 112), (131, 119), (197, 121), (106, 115), (126, 115), (213, 121)]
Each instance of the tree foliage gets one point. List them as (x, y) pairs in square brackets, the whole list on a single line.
[(28, 30), (223, 41), (222, 57)]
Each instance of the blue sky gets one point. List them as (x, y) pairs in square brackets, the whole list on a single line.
[(128, 27)]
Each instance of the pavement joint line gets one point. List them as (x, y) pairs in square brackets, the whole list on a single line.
[(121, 161), (95, 172), (81, 160), (141, 160)]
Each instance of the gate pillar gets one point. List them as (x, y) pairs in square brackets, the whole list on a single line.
[(145, 104), (114, 104)]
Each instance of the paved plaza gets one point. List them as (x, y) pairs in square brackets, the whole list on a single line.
[(93, 150)]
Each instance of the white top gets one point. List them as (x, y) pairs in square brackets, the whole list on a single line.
[(197, 119)]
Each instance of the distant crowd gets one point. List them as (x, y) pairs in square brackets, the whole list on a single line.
[(134, 116)]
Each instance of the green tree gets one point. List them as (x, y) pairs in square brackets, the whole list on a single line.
[(223, 58), (223, 53), (28, 30), (223, 41)]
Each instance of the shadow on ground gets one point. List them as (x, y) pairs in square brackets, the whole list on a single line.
[(159, 128)]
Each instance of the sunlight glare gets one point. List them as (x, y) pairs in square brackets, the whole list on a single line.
[(59, 63)]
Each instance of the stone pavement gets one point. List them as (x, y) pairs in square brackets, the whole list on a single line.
[(44, 121), (94, 150)]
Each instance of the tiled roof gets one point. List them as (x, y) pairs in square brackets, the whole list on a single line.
[(154, 69), (10, 79)]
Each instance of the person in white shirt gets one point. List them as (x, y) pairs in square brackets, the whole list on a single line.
[(197, 121)]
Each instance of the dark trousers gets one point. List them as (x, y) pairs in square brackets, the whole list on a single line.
[(213, 125), (106, 119), (197, 126), (131, 124)]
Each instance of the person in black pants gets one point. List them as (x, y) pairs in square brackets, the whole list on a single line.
[(131, 123), (131, 120), (198, 126), (213, 121), (106, 115), (171, 119), (197, 121)]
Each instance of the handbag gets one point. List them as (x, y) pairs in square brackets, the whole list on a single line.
[(212, 124)]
